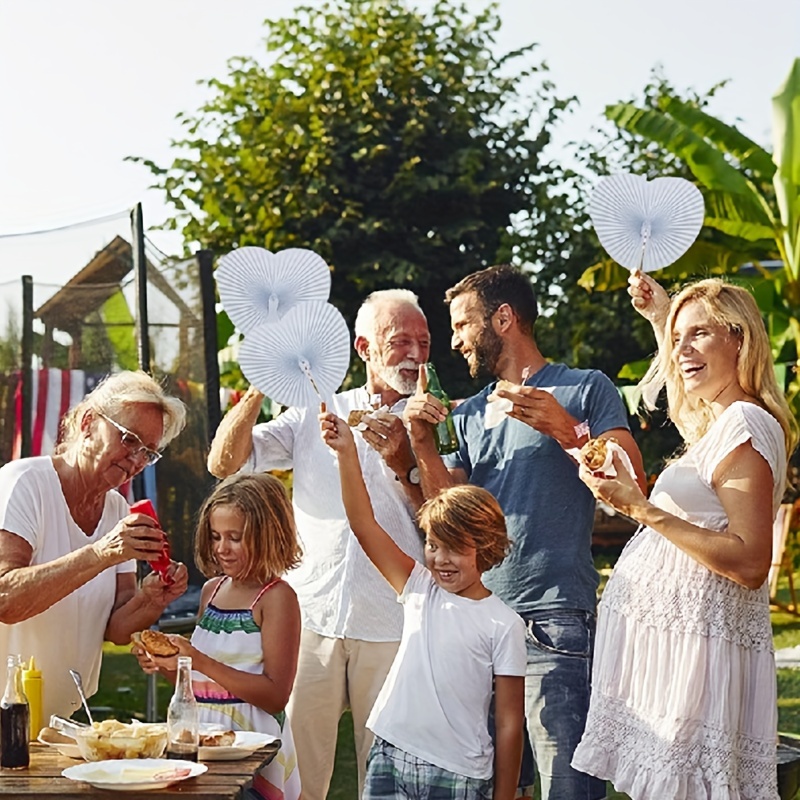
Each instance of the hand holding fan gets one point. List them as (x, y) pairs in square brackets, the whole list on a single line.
[(257, 286), (300, 359), (645, 224)]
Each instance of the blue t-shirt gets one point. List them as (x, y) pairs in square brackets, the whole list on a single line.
[(549, 511)]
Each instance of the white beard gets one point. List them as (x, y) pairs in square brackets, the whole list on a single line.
[(393, 377)]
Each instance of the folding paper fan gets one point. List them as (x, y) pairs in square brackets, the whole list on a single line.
[(646, 224), (258, 286), (300, 359)]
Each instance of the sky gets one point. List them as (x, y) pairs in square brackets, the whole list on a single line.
[(86, 83)]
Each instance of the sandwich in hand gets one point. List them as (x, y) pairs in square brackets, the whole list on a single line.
[(356, 415), (156, 643), (594, 454), (501, 384)]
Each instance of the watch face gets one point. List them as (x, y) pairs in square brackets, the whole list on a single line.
[(413, 476)]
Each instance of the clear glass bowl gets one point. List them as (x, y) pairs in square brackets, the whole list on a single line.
[(111, 739)]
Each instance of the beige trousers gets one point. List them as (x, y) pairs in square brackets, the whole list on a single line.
[(332, 675)]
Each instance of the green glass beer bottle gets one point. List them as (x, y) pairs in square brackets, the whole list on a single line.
[(444, 432)]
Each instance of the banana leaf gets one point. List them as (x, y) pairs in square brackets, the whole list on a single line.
[(707, 163), (751, 156), (701, 259), (786, 135)]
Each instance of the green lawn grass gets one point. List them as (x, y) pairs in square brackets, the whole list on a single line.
[(123, 690)]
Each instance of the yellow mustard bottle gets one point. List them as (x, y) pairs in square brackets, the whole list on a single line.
[(32, 686)]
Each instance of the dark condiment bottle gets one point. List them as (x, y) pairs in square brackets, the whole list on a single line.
[(14, 720), (183, 734), (443, 432)]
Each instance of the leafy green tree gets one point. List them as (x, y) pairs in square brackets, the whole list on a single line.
[(394, 143)]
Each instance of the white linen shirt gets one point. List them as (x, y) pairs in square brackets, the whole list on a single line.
[(341, 593)]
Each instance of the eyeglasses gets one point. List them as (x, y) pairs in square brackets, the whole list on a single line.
[(136, 447)]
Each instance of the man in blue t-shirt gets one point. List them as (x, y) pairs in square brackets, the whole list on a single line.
[(548, 577)]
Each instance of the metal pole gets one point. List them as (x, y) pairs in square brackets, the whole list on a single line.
[(205, 264), (140, 276), (26, 368), (143, 348)]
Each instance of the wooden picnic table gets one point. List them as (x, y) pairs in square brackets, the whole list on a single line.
[(225, 780)]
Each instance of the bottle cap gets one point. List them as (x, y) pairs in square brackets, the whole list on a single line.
[(29, 670)]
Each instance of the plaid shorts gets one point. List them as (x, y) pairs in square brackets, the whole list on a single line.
[(393, 774)]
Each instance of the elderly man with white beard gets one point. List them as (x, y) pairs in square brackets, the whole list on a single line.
[(352, 621)]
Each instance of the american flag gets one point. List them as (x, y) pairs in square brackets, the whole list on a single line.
[(53, 393)]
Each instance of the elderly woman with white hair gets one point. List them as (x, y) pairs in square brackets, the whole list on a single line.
[(69, 544)]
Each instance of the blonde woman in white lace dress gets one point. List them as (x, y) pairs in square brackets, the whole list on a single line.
[(683, 689)]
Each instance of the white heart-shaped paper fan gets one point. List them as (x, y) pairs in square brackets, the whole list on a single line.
[(646, 224), (258, 286), (300, 359)]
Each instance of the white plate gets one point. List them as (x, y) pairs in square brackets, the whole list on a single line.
[(65, 745), (245, 744), (134, 774)]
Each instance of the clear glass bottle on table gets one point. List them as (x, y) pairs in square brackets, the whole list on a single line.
[(14, 719), (183, 729), (443, 432)]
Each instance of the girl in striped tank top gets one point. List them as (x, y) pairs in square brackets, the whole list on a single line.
[(244, 648)]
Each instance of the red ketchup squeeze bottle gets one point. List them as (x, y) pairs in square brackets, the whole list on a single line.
[(162, 563)]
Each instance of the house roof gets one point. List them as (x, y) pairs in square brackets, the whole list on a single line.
[(90, 288), (97, 282)]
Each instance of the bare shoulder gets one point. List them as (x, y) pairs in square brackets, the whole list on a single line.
[(279, 598), (209, 587)]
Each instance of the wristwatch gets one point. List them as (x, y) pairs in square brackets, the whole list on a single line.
[(412, 476)]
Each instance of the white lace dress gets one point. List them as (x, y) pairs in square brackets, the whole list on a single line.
[(683, 688)]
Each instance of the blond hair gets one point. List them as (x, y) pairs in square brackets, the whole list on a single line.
[(121, 390), (269, 536), (734, 308), (467, 516)]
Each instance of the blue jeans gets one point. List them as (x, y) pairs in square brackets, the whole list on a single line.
[(557, 686)]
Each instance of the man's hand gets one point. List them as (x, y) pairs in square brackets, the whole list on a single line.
[(423, 410), (540, 410), (386, 434)]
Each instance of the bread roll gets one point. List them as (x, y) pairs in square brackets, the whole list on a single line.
[(156, 643), (221, 739), (356, 415)]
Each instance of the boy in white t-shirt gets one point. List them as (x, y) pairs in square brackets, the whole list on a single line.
[(459, 640)]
